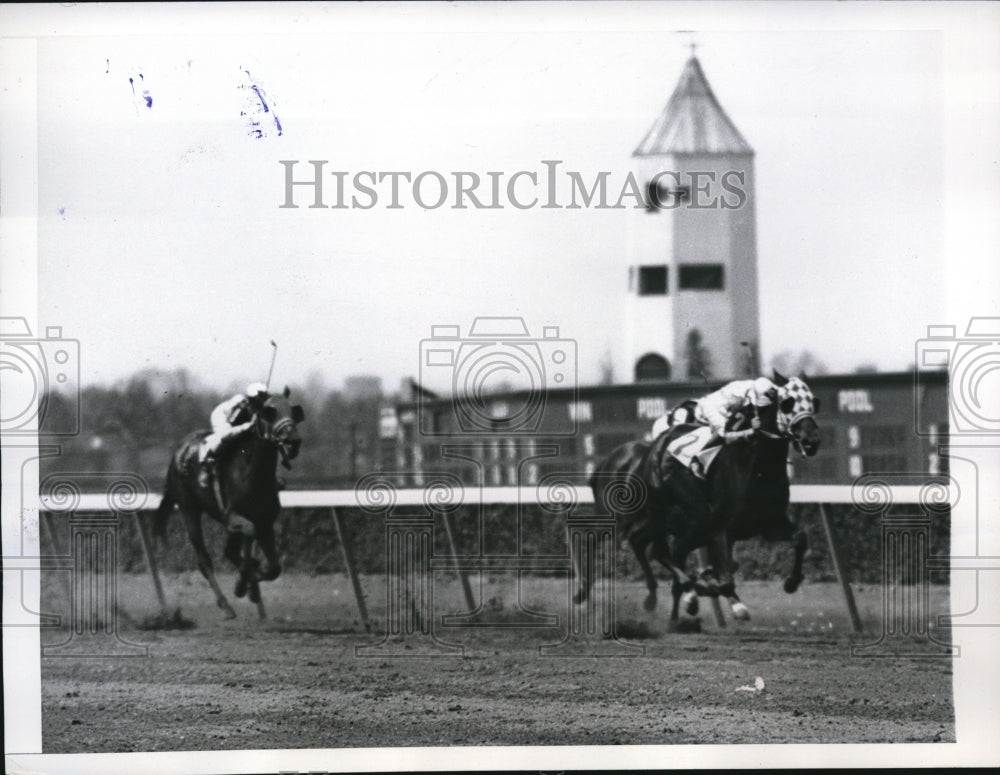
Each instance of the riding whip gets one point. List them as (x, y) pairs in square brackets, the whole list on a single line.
[(270, 371)]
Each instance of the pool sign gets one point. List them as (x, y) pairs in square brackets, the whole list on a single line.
[(854, 401)]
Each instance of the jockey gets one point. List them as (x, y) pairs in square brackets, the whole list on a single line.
[(717, 408), (232, 416)]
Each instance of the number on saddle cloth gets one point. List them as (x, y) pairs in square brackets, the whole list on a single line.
[(692, 449)]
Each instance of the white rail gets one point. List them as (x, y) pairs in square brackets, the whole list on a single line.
[(124, 502)]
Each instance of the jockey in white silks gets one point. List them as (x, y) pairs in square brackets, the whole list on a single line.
[(232, 416), (716, 409)]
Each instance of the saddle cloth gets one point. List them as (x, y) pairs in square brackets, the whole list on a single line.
[(186, 456), (693, 451)]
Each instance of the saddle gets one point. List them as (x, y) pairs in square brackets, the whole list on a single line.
[(186, 458)]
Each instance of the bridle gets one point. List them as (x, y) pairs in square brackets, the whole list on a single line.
[(275, 434), (784, 435)]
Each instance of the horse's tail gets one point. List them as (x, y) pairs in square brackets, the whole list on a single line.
[(163, 512)]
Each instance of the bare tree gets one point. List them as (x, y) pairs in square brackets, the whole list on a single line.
[(803, 361), (607, 368), (699, 361)]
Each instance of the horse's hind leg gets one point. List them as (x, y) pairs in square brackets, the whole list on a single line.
[(192, 521), (234, 553), (639, 540)]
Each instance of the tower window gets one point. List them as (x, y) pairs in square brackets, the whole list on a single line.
[(701, 277), (652, 280)]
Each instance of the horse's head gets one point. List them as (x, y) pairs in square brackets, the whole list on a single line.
[(796, 407), (277, 421)]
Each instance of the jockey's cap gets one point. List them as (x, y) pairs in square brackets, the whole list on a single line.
[(255, 389)]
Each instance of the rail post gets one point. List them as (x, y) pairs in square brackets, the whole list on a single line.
[(470, 601), (838, 568), (345, 550)]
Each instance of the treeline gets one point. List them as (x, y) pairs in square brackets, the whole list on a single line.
[(135, 425)]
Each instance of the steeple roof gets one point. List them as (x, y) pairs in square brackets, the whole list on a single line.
[(693, 121)]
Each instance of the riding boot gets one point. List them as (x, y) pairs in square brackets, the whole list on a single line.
[(206, 470)]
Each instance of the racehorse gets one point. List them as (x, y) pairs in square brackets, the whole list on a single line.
[(745, 495), (246, 484)]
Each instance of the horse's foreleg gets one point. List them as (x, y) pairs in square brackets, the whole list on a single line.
[(272, 564), (192, 521), (800, 543), (721, 550)]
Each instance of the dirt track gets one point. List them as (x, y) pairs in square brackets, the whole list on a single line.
[(294, 680)]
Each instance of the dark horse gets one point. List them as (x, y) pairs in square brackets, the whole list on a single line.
[(247, 485), (744, 495)]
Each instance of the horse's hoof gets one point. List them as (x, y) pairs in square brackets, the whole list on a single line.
[(741, 612), (649, 603), (579, 597), (690, 602), (228, 613), (792, 584), (241, 587), (254, 594)]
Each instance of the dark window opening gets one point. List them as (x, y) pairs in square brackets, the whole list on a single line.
[(652, 366), (652, 280), (701, 277)]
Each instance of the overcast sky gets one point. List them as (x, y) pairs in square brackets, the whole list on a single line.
[(162, 244)]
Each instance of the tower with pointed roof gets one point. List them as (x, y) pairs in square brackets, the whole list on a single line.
[(693, 251)]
